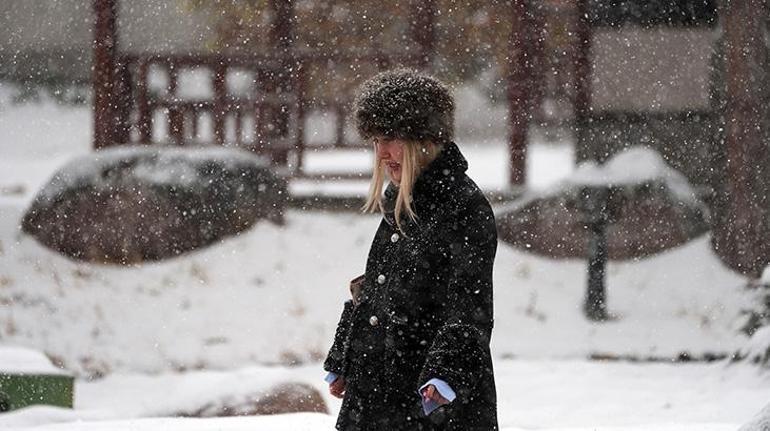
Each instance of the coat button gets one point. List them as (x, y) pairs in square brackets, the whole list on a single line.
[(374, 320), (394, 237), (381, 279)]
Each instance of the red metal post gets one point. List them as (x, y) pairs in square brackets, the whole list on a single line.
[(424, 31), (519, 89), (742, 233), (105, 43)]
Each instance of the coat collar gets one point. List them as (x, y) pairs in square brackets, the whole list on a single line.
[(433, 186), (439, 177)]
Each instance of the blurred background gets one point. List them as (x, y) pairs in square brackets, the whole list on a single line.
[(276, 77), (180, 183)]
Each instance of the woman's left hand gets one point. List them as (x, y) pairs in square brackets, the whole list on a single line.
[(431, 393)]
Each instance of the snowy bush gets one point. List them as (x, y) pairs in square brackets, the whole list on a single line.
[(133, 204), (58, 91), (757, 349), (651, 207), (760, 422), (757, 324), (759, 315)]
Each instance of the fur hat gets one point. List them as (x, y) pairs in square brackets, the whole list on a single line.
[(405, 104)]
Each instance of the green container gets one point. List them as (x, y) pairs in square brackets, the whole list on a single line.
[(22, 390)]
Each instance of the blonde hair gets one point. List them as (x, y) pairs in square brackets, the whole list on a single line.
[(416, 156)]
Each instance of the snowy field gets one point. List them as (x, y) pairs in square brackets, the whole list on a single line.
[(542, 394), (227, 322)]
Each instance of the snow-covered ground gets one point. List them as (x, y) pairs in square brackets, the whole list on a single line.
[(541, 394), (261, 308), (273, 294)]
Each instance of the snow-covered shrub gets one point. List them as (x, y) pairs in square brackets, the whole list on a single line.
[(757, 349), (760, 422), (759, 315), (651, 207), (54, 90), (757, 324), (133, 204)]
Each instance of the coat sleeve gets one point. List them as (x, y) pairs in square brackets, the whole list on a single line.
[(335, 360), (459, 353)]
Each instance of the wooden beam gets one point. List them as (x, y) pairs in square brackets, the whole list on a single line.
[(282, 39), (282, 30), (105, 41), (582, 67), (742, 232), (520, 68)]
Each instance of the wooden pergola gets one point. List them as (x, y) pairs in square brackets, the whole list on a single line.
[(118, 91), (741, 232)]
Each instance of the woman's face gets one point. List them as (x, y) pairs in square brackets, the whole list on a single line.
[(390, 153)]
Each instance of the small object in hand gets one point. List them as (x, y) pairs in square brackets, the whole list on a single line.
[(337, 387), (431, 393), (356, 285)]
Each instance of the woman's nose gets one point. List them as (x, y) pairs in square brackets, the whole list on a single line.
[(382, 151)]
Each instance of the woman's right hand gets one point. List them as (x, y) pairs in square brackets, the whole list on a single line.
[(337, 387)]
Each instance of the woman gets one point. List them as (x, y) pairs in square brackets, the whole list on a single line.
[(411, 351)]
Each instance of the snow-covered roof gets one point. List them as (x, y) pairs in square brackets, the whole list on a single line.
[(21, 360), (635, 165), (155, 165)]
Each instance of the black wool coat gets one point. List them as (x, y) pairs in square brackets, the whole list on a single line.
[(425, 311)]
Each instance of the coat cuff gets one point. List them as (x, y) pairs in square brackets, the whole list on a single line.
[(331, 377), (443, 388)]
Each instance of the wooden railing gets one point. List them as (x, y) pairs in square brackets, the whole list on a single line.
[(260, 103)]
